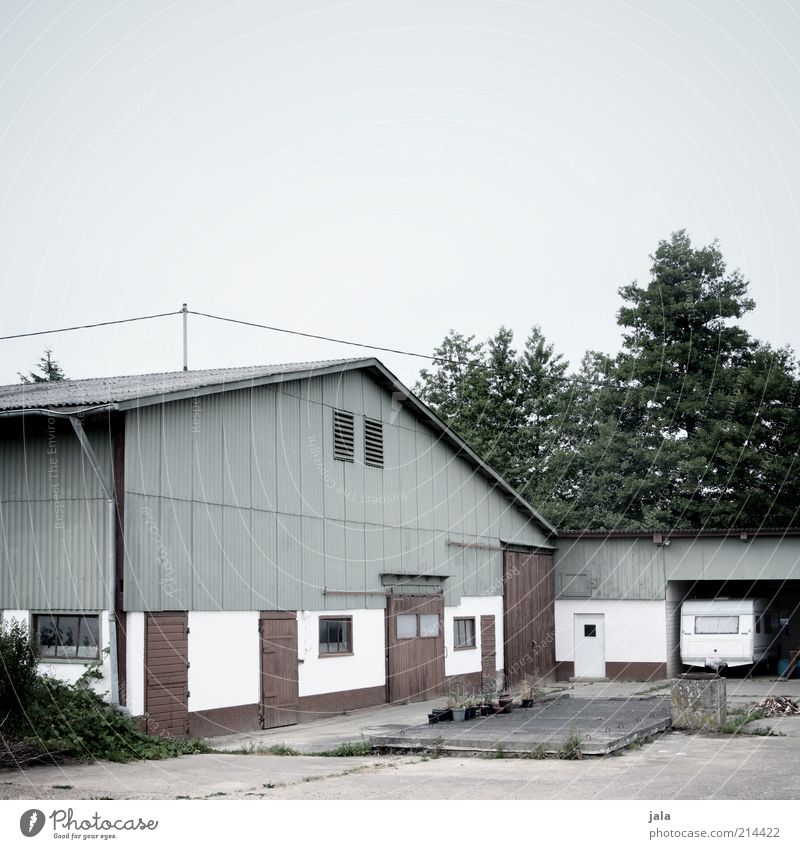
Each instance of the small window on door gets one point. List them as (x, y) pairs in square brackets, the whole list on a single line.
[(406, 626), (590, 630), (429, 625)]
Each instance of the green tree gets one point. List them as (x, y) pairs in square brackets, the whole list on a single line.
[(455, 386), (506, 404), (692, 424), (49, 370), (715, 410)]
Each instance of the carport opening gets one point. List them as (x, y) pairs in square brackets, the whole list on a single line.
[(784, 600)]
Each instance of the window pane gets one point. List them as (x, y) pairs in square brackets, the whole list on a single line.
[(334, 636), (429, 625), (590, 630), (67, 636), (47, 634), (716, 624), (406, 626), (89, 638)]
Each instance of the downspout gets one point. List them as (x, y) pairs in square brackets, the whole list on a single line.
[(111, 566)]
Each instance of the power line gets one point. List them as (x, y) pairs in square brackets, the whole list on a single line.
[(88, 326), (576, 379), (337, 341), (432, 358)]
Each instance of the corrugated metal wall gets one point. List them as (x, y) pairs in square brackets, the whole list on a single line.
[(53, 517), (732, 559), (611, 568), (235, 502), (618, 568)]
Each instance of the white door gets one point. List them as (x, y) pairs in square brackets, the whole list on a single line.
[(590, 645)]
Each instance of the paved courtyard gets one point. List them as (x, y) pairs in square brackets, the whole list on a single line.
[(596, 726), (673, 766)]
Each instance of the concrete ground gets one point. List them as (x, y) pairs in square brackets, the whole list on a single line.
[(673, 766), (597, 726)]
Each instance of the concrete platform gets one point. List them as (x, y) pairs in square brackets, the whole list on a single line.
[(603, 725)]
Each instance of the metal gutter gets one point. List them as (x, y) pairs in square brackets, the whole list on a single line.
[(61, 414)]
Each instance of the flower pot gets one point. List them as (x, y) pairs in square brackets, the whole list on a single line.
[(506, 702), (472, 712), (439, 715), (486, 710), (459, 714)]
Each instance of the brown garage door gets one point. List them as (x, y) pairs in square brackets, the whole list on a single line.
[(415, 641), (528, 615), (166, 674), (279, 691)]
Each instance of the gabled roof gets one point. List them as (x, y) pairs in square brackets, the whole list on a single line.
[(144, 387), (127, 392)]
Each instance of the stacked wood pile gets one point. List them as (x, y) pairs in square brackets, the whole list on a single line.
[(776, 706)]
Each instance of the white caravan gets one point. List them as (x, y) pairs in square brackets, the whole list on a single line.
[(728, 632)]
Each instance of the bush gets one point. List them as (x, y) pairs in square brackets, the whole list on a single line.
[(18, 676), (43, 718), (74, 720)]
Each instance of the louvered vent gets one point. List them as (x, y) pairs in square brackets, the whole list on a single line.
[(373, 443), (344, 447)]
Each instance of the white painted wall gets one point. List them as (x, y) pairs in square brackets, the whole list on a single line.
[(69, 670), (134, 667), (366, 667), (464, 661), (224, 660), (635, 630)]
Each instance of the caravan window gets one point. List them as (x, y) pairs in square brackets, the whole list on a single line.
[(716, 624)]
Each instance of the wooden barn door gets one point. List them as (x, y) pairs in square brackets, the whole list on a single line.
[(279, 689), (528, 615), (166, 661), (488, 655), (415, 644)]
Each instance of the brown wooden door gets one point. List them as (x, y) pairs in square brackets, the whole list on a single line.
[(415, 645), (488, 655), (528, 616), (166, 662), (279, 694)]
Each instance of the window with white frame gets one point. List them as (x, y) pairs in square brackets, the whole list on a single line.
[(716, 624)]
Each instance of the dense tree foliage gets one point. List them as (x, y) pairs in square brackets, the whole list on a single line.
[(693, 423)]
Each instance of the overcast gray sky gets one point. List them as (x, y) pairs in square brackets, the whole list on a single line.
[(381, 171)]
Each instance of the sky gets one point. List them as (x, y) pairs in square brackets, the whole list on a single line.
[(381, 171)]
